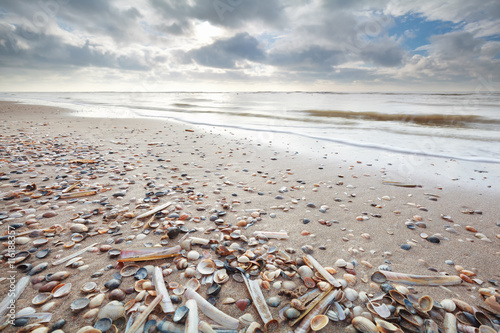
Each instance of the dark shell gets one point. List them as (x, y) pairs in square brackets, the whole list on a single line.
[(48, 286), (42, 253), (173, 232), (180, 314), (38, 268), (214, 289), (117, 295), (58, 324), (103, 324), (24, 267), (141, 273), (112, 284)]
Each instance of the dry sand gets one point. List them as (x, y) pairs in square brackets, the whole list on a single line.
[(246, 176)]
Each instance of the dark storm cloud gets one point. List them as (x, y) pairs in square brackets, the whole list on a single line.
[(224, 53)]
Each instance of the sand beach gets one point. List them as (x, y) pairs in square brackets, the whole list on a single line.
[(441, 220)]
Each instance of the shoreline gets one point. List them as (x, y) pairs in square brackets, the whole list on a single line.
[(248, 175)]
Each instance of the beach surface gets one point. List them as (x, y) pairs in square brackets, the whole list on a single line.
[(335, 205)]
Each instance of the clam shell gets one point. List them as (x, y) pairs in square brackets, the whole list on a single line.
[(103, 324), (494, 302), (112, 310), (387, 327), (486, 329), (88, 287), (364, 325), (448, 305), (350, 294), (90, 314), (41, 298), (79, 304), (97, 301), (426, 303), (193, 284), (305, 272), (206, 266), (59, 276), (61, 290), (318, 322), (221, 276)]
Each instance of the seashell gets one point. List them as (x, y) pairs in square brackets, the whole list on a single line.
[(221, 276), (38, 268), (246, 319), (90, 314), (61, 290), (387, 327), (430, 326), (193, 255), (292, 313), (340, 263), (113, 310), (114, 253), (214, 289), (117, 295), (243, 303), (103, 324), (273, 301), (449, 323), (425, 303), (59, 276), (318, 322), (49, 286), (493, 302), (464, 306), (22, 240), (309, 283), (305, 271), (96, 301), (193, 284), (78, 228), (41, 298), (77, 238), (206, 266), (180, 314), (88, 329), (486, 329), (189, 272), (42, 253), (350, 294), (79, 304), (448, 305), (364, 325), (323, 286), (332, 315), (88, 287), (129, 270), (141, 274), (350, 278), (113, 284), (397, 296)]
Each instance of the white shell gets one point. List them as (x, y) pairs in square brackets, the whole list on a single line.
[(350, 294), (206, 266), (448, 305)]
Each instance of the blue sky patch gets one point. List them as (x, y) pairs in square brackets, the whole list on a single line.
[(416, 30)]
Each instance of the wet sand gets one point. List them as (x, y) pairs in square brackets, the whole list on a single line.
[(362, 219)]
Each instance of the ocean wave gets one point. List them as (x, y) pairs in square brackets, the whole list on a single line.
[(447, 120)]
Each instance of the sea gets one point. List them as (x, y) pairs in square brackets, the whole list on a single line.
[(460, 126)]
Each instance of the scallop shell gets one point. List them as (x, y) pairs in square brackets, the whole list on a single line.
[(318, 322), (61, 290), (206, 266), (364, 325)]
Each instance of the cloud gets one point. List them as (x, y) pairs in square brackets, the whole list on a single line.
[(307, 42), (225, 53)]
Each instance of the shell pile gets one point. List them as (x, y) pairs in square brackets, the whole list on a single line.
[(77, 226)]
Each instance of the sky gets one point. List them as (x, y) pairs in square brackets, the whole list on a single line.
[(250, 45)]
